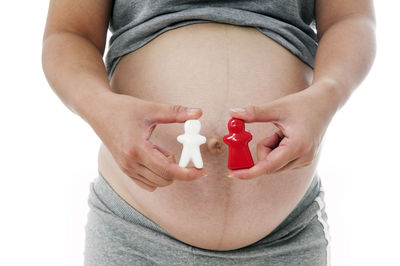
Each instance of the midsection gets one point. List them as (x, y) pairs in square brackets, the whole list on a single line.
[(214, 67)]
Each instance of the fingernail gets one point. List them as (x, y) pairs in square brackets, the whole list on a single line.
[(238, 110), (203, 173), (192, 111)]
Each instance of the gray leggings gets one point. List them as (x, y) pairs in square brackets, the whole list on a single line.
[(117, 234)]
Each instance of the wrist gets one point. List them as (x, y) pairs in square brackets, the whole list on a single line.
[(324, 99), (331, 92), (92, 106)]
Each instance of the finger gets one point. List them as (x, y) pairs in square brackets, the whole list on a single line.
[(136, 172), (171, 158), (142, 184), (254, 113), (289, 166), (281, 155), (300, 166), (265, 146), (152, 177), (302, 163), (256, 170), (166, 113), (169, 155), (160, 165), (276, 159)]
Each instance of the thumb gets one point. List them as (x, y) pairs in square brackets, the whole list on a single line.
[(256, 113), (166, 113)]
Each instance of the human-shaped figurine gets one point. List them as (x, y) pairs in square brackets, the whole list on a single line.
[(237, 140), (191, 141)]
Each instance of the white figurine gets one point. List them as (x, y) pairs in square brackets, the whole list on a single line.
[(191, 141)]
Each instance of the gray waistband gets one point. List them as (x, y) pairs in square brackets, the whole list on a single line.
[(103, 196)]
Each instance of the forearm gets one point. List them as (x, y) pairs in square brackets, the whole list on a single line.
[(75, 70), (345, 55)]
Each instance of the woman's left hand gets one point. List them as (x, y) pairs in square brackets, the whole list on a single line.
[(302, 119)]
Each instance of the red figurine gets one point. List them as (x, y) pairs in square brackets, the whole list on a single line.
[(237, 140)]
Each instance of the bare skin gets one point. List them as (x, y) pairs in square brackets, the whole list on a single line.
[(214, 212), (138, 115)]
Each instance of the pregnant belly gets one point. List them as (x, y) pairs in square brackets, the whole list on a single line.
[(214, 67)]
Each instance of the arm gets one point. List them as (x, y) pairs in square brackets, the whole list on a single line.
[(345, 54), (347, 46), (249, 137), (226, 139), (242, 138), (73, 46), (180, 139), (203, 140)]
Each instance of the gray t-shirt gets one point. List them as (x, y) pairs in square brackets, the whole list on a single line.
[(134, 23)]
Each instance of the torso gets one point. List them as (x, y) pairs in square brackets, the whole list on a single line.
[(214, 67)]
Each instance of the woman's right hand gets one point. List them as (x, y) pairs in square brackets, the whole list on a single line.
[(125, 123)]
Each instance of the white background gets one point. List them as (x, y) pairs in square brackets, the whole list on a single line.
[(48, 155)]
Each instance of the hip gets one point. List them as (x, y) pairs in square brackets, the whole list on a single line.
[(117, 234)]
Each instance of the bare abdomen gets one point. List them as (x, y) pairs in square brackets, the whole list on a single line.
[(214, 67)]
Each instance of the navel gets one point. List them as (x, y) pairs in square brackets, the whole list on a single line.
[(215, 145)]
